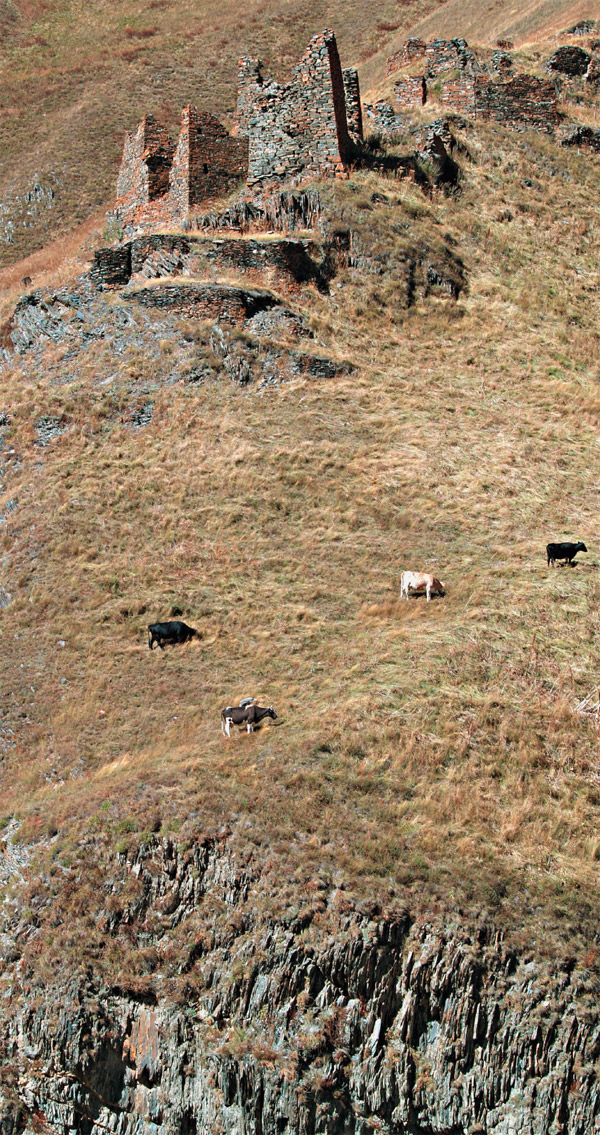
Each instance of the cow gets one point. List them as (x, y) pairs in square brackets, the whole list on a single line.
[(421, 581), (248, 715), (171, 632), (566, 551)]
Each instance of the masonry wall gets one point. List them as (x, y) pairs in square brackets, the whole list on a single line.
[(145, 166), (353, 105), (524, 102), (413, 49), (410, 92), (299, 128), (208, 161), (459, 94), (159, 181)]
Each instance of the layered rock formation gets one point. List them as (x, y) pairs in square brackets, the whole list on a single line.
[(340, 1019)]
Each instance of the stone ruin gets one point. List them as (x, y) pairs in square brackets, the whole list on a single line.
[(308, 127), (160, 181), (472, 87), (301, 128)]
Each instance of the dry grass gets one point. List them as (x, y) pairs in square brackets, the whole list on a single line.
[(432, 752)]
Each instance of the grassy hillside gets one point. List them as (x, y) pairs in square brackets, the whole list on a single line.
[(74, 77), (441, 754)]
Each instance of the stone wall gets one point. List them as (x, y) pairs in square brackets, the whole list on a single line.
[(353, 107), (410, 91), (206, 301), (383, 121), (459, 93), (573, 61), (160, 181), (412, 49), (208, 161), (145, 166), (523, 103), (299, 128)]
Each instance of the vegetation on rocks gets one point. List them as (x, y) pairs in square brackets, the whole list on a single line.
[(433, 767)]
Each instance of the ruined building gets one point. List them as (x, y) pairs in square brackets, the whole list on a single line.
[(303, 127), (463, 82), (160, 181), (307, 127)]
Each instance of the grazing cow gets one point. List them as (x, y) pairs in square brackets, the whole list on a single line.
[(421, 581), (175, 631), (566, 551), (248, 715)]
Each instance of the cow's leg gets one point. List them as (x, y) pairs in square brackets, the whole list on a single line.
[(161, 643), (428, 592), (227, 726)]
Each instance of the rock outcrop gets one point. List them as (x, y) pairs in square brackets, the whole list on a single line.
[(338, 1019)]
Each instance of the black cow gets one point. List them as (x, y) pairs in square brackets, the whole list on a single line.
[(175, 631), (248, 715), (566, 551)]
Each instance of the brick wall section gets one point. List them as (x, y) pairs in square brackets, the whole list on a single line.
[(523, 103), (159, 181), (353, 106), (206, 301), (410, 51), (410, 92), (300, 128), (145, 166), (446, 54), (459, 94), (208, 161)]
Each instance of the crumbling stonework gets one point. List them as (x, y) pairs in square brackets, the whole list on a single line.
[(581, 137), (445, 55), (383, 120), (300, 128), (572, 61), (207, 162), (459, 93), (523, 103), (412, 49), (220, 302), (145, 166), (160, 181), (502, 64), (353, 107), (439, 55), (410, 92)]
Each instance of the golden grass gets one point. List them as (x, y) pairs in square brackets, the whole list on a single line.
[(427, 752)]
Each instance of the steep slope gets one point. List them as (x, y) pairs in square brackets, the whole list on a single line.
[(379, 911)]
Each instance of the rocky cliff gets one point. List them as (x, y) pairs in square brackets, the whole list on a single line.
[(335, 1018)]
